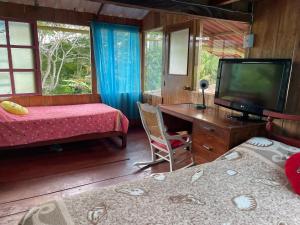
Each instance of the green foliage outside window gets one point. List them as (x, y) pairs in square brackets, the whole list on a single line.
[(209, 67), (153, 61), (65, 58)]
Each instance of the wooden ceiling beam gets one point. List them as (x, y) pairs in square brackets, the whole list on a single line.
[(31, 13), (100, 9), (191, 7)]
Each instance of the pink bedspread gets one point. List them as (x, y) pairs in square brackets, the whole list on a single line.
[(46, 123)]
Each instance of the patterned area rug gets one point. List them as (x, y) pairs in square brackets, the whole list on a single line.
[(245, 186)]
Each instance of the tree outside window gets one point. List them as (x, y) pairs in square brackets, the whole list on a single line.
[(220, 39), (153, 62), (65, 58)]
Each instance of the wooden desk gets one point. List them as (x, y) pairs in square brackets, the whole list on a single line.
[(213, 133)]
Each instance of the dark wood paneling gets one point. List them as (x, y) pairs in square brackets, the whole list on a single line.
[(275, 28), (277, 35), (152, 21), (152, 99), (156, 19), (56, 100)]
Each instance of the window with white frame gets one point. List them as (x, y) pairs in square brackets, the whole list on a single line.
[(18, 50)]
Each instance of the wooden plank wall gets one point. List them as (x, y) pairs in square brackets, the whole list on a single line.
[(56, 100), (152, 99), (31, 13), (277, 35), (157, 19)]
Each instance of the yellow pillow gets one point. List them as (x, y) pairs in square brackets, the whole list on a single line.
[(14, 108)]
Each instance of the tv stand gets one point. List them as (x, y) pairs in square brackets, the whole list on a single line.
[(244, 118)]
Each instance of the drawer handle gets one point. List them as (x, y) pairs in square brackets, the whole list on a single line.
[(207, 147), (208, 129)]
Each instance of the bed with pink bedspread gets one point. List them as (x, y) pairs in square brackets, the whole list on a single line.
[(54, 123)]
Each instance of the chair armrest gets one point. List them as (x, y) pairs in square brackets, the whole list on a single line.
[(276, 115), (269, 127), (179, 137)]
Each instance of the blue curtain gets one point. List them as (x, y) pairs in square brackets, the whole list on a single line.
[(117, 59)]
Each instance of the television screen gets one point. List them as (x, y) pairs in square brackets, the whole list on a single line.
[(253, 85)]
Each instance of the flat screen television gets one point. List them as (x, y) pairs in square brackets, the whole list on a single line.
[(253, 85)]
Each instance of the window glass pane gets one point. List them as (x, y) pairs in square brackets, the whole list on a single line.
[(5, 86), (68, 69), (4, 59), (153, 62), (22, 58), (2, 33), (179, 50), (24, 82), (20, 33), (218, 42)]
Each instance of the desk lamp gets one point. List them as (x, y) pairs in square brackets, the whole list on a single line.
[(203, 85)]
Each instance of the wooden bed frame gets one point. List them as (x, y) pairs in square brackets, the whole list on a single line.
[(269, 127), (84, 137), (57, 100)]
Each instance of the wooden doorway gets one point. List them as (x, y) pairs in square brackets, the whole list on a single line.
[(179, 62)]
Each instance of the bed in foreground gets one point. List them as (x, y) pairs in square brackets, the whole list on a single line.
[(245, 186), (58, 124)]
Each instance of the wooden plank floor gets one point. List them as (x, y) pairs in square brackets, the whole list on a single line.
[(31, 176)]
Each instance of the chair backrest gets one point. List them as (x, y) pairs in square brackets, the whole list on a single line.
[(269, 127), (152, 122)]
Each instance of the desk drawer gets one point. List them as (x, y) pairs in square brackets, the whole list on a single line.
[(210, 144), (209, 141), (203, 155), (210, 129)]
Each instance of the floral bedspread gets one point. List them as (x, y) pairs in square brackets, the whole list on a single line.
[(245, 186)]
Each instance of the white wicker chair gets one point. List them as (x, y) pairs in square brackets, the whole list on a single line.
[(163, 144)]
